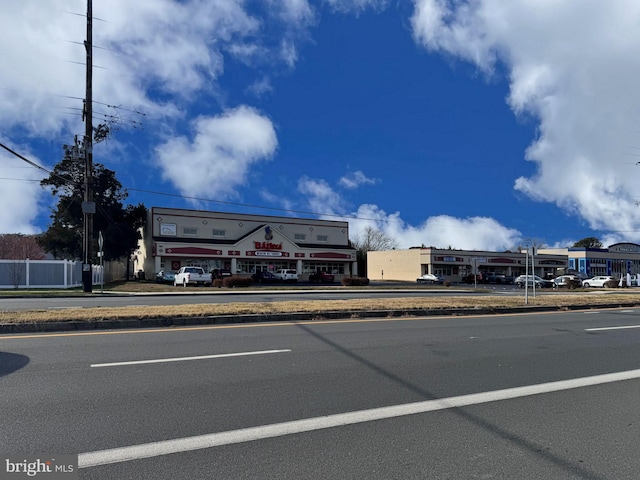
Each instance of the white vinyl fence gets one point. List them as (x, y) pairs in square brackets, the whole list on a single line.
[(23, 274)]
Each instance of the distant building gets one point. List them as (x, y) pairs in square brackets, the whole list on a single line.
[(617, 260), (407, 265), (243, 244)]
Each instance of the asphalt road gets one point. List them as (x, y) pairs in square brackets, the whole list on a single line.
[(363, 399), (260, 295)]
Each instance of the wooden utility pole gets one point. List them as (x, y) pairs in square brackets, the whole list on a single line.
[(88, 205)]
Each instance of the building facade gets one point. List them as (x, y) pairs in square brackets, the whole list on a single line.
[(615, 261), (242, 244), (453, 265)]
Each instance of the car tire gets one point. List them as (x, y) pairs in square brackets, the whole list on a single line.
[(586, 285)]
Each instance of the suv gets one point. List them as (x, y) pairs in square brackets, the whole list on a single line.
[(286, 275), (600, 281)]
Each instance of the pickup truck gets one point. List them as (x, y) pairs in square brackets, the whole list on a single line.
[(192, 276)]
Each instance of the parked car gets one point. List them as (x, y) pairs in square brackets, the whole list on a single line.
[(499, 278), (321, 277), (532, 280), (567, 281), (599, 281), (264, 277), (471, 278), (165, 277), (286, 275), (430, 278)]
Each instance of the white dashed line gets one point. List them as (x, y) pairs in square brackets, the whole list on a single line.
[(602, 329), (155, 449), (185, 359)]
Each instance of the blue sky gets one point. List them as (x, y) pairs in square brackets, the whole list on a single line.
[(480, 125)]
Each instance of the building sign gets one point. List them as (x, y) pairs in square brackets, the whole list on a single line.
[(168, 229), (550, 262), (625, 247), (191, 251), (448, 259), (330, 255), (267, 246), (266, 253), (502, 260)]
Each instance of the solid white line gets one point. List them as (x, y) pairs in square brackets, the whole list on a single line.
[(184, 359), (155, 449), (600, 329)]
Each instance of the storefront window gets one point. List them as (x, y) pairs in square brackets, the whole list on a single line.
[(331, 267), (249, 267)]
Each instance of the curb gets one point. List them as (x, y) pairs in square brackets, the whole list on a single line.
[(136, 323)]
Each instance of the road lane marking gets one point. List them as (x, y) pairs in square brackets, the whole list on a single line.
[(186, 359), (198, 442), (602, 329)]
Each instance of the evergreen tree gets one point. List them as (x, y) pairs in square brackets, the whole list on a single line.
[(588, 242), (119, 224)]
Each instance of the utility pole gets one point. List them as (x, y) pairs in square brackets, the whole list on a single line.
[(88, 205)]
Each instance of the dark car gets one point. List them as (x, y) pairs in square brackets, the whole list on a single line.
[(264, 277), (471, 279), (321, 277), (499, 278), (165, 277)]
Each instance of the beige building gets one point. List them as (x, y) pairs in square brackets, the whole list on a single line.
[(242, 244), (407, 265)]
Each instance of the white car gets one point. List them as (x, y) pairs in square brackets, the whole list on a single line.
[(286, 275), (599, 281), (430, 278)]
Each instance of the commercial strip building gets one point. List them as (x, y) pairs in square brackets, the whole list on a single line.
[(407, 265), (453, 265), (243, 244), (616, 261)]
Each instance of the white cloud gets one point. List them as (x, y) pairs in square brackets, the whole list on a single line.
[(20, 192), (573, 67), (260, 87), (442, 231), (154, 56), (218, 157), (320, 197), (356, 6), (355, 179)]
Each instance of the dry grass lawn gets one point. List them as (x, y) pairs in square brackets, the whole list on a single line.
[(320, 306)]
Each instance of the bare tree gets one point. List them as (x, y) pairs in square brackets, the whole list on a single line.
[(16, 246), (371, 240)]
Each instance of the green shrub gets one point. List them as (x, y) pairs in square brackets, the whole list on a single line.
[(237, 281), (355, 281)]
